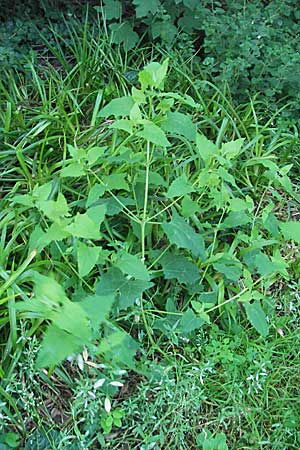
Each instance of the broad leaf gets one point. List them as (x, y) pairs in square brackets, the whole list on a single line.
[(180, 268), (236, 219), (177, 123), (112, 9), (48, 291), (180, 233), (72, 170), (190, 322), (87, 258), (153, 75), (230, 267), (154, 134), (95, 192), (180, 186), (71, 317), (143, 8), (54, 210), (83, 226), (123, 33), (206, 148), (116, 181), (257, 318), (126, 290), (119, 347), (232, 149), (118, 107), (291, 231), (132, 265), (97, 308), (57, 345)]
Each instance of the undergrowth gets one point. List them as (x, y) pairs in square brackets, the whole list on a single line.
[(148, 259)]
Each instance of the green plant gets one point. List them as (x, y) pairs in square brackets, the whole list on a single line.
[(132, 221), (169, 221)]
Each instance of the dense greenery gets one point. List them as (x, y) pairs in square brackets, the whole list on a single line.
[(149, 234), (257, 52)]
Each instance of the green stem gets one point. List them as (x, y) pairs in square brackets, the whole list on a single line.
[(143, 224)]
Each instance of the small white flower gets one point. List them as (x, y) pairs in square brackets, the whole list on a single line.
[(92, 394), (99, 383), (116, 383), (107, 405), (80, 362)]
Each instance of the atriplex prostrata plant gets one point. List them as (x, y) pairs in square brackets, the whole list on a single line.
[(148, 232)]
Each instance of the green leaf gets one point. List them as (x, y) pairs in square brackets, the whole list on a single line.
[(117, 107), (71, 317), (122, 33), (37, 239), (72, 170), (116, 181), (132, 265), (83, 226), (97, 308), (267, 267), (177, 123), (291, 231), (232, 149), (190, 322), (123, 124), (57, 345), (87, 258), (95, 192), (180, 268), (154, 134), (119, 347), (230, 267), (54, 233), (164, 29), (153, 75), (11, 439), (189, 207), (54, 210), (135, 114), (25, 200), (143, 8), (44, 440), (97, 213), (126, 290), (272, 225), (206, 148), (180, 186), (112, 9), (138, 96), (236, 219), (238, 204), (257, 318), (180, 233), (94, 154), (155, 178), (48, 291)]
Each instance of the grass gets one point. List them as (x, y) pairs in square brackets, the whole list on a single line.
[(222, 378)]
